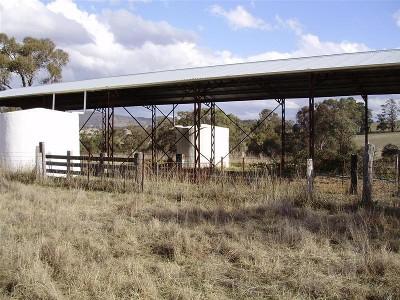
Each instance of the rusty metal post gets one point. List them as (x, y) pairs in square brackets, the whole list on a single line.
[(107, 127), (197, 125), (212, 121), (311, 128), (311, 123), (153, 138), (104, 126), (283, 136), (366, 125), (110, 126)]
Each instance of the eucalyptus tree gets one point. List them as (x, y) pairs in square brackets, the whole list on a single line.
[(34, 61)]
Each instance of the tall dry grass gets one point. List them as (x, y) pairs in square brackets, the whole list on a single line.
[(263, 240)]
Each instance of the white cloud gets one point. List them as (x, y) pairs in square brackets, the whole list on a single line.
[(291, 24), (97, 30), (17, 19), (240, 18), (141, 30), (396, 16), (310, 44)]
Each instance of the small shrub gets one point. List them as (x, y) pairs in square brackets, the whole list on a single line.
[(390, 151)]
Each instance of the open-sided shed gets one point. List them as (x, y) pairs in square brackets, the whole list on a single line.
[(364, 73)]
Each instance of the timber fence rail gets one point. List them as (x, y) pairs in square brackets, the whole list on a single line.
[(91, 165)]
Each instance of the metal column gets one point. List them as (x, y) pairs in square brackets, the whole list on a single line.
[(104, 130), (212, 121), (311, 128), (110, 125), (107, 126), (366, 125), (153, 137), (197, 124), (283, 135)]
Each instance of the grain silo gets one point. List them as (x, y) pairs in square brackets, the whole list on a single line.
[(21, 131), (185, 145)]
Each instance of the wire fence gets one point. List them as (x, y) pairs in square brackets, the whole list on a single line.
[(139, 169)]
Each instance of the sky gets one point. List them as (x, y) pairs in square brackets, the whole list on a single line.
[(118, 37)]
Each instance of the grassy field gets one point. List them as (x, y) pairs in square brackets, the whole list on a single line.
[(379, 140), (265, 240)]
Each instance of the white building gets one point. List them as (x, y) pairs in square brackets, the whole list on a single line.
[(185, 145), (21, 131)]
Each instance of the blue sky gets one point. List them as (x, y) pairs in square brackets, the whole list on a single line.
[(116, 37)]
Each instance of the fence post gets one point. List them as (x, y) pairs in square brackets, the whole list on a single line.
[(37, 161), (243, 165), (68, 164), (138, 160), (88, 167), (179, 164), (398, 172), (43, 152), (368, 161), (354, 175), (310, 175), (101, 166), (143, 171)]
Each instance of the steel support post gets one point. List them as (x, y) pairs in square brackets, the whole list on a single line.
[(154, 137), (212, 121), (283, 135), (104, 126), (197, 153), (110, 131), (366, 125), (311, 128)]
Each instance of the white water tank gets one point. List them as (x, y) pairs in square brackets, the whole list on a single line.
[(185, 145), (21, 131)]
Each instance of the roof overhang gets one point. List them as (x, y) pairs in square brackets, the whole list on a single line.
[(369, 73)]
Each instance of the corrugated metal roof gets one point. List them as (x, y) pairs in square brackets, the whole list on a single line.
[(371, 59)]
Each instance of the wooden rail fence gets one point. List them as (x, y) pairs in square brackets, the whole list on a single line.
[(96, 166), (73, 165)]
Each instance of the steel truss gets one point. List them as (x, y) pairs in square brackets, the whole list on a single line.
[(248, 134), (203, 95)]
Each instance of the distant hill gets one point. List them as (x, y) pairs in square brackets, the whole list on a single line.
[(119, 121)]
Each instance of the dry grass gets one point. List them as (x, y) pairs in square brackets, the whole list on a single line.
[(183, 241)]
